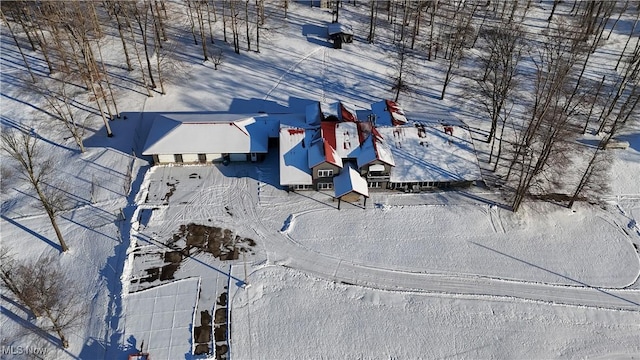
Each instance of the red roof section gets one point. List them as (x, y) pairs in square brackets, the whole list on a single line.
[(347, 115), (329, 154), (393, 107), (329, 133)]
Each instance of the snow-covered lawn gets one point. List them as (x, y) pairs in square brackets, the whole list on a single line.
[(289, 315), (558, 246)]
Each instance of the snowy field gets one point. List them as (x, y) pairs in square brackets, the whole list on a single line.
[(286, 314), (432, 275)]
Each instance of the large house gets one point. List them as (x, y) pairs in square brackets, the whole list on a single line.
[(331, 147), (386, 150)]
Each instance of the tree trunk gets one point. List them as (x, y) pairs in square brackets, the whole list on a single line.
[(593, 103), (106, 77), (372, 21), (203, 38), (135, 48), (56, 228), (13, 36), (190, 13), (143, 31), (160, 69), (25, 29), (124, 43), (224, 21), (246, 22), (156, 28), (209, 21), (160, 23)]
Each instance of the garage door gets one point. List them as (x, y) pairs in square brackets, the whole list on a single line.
[(189, 158), (238, 157), (163, 159), (214, 157)]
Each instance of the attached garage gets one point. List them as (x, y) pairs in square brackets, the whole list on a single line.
[(165, 159), (206, 138), (190, 158)]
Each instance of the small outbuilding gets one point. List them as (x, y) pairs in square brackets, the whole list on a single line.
[(340, 33)]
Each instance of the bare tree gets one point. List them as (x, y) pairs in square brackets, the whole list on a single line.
[(26, 63), (402, 68), (550, 131), (58, 95), (217, 57), (116, 8), (499, 65), (596, 169), (246, 23), (373, 17), (36, 168), (42, 287), (234, 26), (456, 43), (126, 13), (141, 17)]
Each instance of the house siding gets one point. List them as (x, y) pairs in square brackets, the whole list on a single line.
[(382, 180), (324, 166)]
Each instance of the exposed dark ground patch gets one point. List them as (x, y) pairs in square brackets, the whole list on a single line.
[(219, 242), (191, 239), (220, 328), (172, 189)]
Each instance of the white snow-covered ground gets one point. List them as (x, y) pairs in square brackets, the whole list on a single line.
[(432, 275), (161, 316), (286, 314)]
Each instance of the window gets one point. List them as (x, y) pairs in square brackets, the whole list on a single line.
[(325, 173), (178, 158), (325, 186), (202, 158), (302, 187), (374, 184)]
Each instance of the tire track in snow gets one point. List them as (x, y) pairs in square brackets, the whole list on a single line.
[(496, 219), (289, 70), (285, 252)]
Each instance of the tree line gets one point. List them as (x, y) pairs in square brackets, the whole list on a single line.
[(544, 87)]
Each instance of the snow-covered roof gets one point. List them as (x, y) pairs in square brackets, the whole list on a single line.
[(294, 166), (320, 151), (337, 28), (342, 111), (349, 180), (189, 133), (313, 114), (374, 148), (388, 113), (431, 155), (343, 137)]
